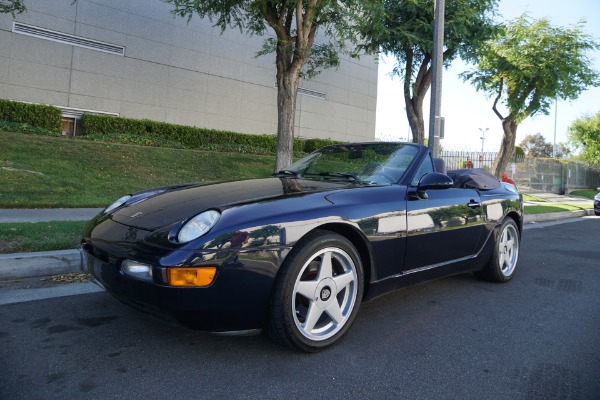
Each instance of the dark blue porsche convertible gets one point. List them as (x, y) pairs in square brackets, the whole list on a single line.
[(297, 253)]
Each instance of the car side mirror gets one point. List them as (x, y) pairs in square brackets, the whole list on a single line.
[(433, 181)]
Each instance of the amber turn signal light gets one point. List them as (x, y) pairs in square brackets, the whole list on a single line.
[(198, 277)]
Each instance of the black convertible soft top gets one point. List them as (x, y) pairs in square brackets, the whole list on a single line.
[(475, 178)]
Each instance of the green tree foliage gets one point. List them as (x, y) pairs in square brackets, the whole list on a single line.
[(12, 6), (526, 66), (535, 145), (562, 150), (584, 135), (404, 29), (294, 24)]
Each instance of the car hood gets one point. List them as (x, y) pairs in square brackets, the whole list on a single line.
[(183, 203)]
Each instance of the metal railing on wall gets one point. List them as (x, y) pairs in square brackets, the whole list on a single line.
[(458, 159)]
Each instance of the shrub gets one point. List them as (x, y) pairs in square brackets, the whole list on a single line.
[(41, 119), (36, 115), (22, 127), (160, 133), (311, 145)]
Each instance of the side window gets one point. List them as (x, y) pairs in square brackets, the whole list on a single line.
[(426, 167)]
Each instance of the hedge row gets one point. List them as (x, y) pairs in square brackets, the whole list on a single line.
[(188, 136), (37, 115), (47, 120), (22, 127)]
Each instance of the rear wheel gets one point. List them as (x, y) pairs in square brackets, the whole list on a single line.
[(317, 293), (503, 263)]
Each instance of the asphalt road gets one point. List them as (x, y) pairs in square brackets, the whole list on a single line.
[(537, 337)]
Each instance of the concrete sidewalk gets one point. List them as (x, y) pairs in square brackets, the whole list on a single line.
[(557, 198), (47, 214), (37, 264)]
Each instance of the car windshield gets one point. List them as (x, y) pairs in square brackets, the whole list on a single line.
[(372, 163)]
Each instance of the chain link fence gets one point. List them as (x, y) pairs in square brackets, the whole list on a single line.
[(556, 176)]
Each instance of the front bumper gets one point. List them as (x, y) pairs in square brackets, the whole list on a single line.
[(236, 301)]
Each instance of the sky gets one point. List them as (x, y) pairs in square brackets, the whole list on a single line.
[(466, 111)]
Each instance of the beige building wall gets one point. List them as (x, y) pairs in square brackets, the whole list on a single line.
[(173, 71)]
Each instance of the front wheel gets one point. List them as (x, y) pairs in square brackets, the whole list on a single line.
[(317, 292), (503, 263)]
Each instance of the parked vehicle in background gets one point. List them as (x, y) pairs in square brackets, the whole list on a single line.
[(597, 202)]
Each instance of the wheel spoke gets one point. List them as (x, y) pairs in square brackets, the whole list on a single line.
[(335, 312), (343, 280), (312, 316), (325, 269), (503, 238), (510, 244), (307, 289), (502, 261)]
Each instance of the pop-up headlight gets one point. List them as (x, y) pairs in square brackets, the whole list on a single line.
[(116, 204), (198, 226)]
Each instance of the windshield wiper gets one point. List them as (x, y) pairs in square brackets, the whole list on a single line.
[(342, 174), (287, 172)]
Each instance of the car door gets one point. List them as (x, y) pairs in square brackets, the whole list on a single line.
[(444, 227)]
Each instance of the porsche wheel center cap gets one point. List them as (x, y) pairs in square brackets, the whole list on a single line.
[(325, 293)]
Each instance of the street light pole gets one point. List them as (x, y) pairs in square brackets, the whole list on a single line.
[(555, 118), (483, 131)]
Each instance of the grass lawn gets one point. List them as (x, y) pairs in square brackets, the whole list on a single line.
[(585, 193), (556, 207), (38, 171), (40, 236), (530, 197)]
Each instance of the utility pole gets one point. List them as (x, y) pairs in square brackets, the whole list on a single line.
[(555, 118), (436, 82)]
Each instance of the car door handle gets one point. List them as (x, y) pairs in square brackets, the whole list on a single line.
[(474, 204)]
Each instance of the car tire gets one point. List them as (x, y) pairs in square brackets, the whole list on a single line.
[(503, 263), (317, 293)]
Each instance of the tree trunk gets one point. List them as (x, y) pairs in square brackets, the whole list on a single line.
[(287, 90), (414, 113), (414, 94), (507, 148)]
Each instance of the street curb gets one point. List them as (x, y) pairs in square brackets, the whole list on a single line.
[(556, 216), (45, 263)]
